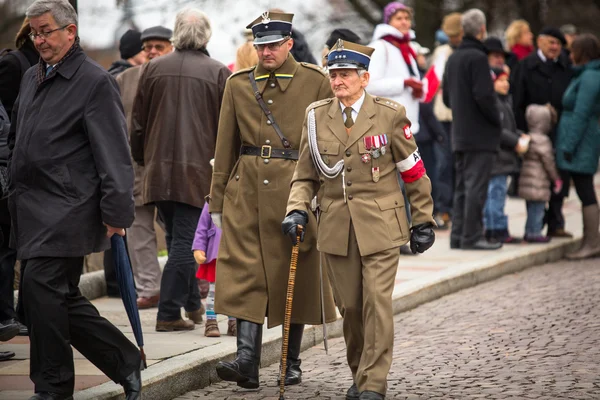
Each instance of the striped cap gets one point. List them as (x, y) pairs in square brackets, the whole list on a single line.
[(348, 55)]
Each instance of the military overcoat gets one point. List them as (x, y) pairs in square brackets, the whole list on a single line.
[(376, 209), (252, 192)]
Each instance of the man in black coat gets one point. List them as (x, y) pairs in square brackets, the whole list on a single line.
[(476, 131), (71, 188), (130, 48), (542, 77)]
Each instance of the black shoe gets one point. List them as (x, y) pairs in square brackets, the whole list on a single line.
[(6, 355), (352, 393), (293, 373), (369, 395), (50, 396), (244, 369), (454, 244), (133, 385), (22, 328), (482, 244), (8, 330)]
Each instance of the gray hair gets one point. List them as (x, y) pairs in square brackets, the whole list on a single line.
[(472, 21), (61, 10), (192, 30)]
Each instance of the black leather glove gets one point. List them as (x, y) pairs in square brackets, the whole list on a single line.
[(289, 226), (568, 156), (421, 237)]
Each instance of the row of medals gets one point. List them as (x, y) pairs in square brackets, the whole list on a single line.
[(375, 145)]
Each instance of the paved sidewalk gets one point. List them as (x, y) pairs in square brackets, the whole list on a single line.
[(529, 335), (184, 361)]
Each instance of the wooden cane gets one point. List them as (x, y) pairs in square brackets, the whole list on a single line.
[(288, 313)]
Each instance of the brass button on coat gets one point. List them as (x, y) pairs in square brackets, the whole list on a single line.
[(348, 153), (350, 197), (266, 182)]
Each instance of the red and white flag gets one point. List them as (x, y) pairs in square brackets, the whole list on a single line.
[(434, 76)]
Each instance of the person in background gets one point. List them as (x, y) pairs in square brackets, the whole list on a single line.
[(570, 33), (205, 248), (342, 33), (497, 56), (519, 41), (245, 57), (174, 123), (452, 28), (130, 47), (71, 189), (141, 236), (512, 144), (540, 78), (538, 173), (157, 41), (394, 69), (13, 66), (476, 131), (578, 144)]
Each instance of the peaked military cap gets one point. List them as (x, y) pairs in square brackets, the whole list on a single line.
[(271, 27), (348, 55)]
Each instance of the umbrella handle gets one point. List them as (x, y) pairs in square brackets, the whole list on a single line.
[(288, 312)]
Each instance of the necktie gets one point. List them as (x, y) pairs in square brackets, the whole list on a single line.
[(349, 121), (49, 69)]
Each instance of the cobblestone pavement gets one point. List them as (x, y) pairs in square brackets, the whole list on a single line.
[(532, 335)]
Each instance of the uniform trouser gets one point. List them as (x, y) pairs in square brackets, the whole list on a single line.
[(178, 287), (8, 257), (363, 289), (473, 171), (58, 316), (141, 244)]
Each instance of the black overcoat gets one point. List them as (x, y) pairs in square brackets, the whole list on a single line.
[(69, 163)]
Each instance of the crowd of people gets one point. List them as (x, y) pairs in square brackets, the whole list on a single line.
[(169, 135)]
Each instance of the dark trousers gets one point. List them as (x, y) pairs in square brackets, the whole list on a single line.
[(427, 151), (178, 287), (554, 216), (8, 258), (472, 174), (444, 195), (584, 185), (58, 316)]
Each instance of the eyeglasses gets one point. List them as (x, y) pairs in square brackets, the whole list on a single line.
[(271, 46), (148, 47), (44, 35)]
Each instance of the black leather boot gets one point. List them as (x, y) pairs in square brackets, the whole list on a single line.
[(244, 369), (293, 373), (133, 385)]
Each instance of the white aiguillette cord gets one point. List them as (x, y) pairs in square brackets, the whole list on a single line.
[(328, 172)]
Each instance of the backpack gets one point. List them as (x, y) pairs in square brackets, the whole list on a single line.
[(25, 65)]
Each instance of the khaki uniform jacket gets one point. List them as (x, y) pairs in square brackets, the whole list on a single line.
[(254, 255), (376, 209), (128, 84)]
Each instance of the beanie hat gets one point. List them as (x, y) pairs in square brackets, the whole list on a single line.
[(393, 8), (344, 34), (555, 33), (130, 44)]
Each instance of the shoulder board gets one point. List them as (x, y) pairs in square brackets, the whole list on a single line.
[(387, 102), (320, 103), (313, 67), (241, 71)]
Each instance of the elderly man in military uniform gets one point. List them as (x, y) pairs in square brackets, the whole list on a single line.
[(352, 148), (256, 152)]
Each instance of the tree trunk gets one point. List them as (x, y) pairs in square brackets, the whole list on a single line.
[(427, 20)]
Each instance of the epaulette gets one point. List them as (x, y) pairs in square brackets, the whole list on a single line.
[(319, 103), (241, 71), (387, 102), (314, 67)]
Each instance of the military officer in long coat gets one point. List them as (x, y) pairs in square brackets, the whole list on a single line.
[(352, 148), (254, 161)]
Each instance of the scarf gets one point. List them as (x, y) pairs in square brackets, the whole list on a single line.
[(522, 51), (404, 45), (41, 67)]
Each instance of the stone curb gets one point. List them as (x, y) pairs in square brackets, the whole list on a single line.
[(191, 371)]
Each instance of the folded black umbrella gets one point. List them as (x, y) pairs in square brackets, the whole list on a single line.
[(127, 288)]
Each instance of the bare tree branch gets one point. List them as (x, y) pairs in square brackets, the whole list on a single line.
[(363, 11)]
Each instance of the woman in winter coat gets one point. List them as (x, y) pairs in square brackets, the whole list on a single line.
[(578, 138), (506, 163), (393, 69), (519, 40), (538, 171)]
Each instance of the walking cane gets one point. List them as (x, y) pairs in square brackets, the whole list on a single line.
[(288, 313), (322, 290)]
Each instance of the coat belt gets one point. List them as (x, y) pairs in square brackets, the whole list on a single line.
[(269, 152)]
